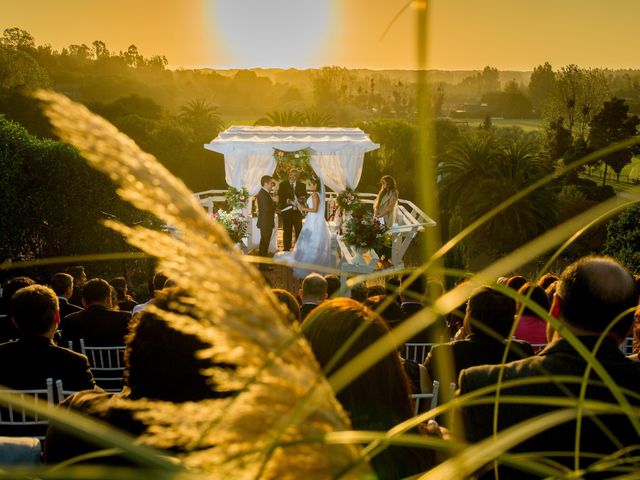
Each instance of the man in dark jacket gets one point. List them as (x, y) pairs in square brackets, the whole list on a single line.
[(290, 193), (594, 304), (266, 216), (98, 324)]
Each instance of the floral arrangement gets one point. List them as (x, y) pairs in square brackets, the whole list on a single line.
[(348, 200), (235, 222), (300, 160), (365, 231), (236, 199)]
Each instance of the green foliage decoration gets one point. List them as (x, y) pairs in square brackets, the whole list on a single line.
[(362, 230), (236, 198), (300, 160)]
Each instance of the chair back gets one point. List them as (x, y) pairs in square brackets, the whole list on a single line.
[(432, 398), (61, 393), (16, 421), (417, 351), (107, 365), (626, 347)]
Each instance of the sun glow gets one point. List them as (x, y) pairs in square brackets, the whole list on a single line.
[(274, 33)]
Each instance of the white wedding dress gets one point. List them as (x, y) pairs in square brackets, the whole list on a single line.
[(313, 246)]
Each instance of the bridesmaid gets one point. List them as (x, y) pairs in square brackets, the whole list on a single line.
[(385, 205)]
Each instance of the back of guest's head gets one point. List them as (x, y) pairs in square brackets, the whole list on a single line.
[(359, 292), (159, 281), (78, 274), (289, 301), (33, 310), (120, 285), (595, 291), (96, 290), (489, 313), (13, 285), (414, 290), (377, 399), (391, 313), (391, 286), (333, 284), (537, 295), (547, 279), (158, 357), (61, 283), (384, 385), (314, 286), (376, 290), (516, 281), (551, 290)]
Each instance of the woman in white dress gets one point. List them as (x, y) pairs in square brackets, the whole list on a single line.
[(314, 243)]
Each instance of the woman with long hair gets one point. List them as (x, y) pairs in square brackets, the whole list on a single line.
[(387, 200), (380, 397)]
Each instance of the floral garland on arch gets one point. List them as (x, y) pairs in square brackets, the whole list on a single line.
[(236, 199), (300, 160), (364, 231), (235, 222)]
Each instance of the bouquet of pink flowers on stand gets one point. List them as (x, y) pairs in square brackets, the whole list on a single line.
[(235, 222)]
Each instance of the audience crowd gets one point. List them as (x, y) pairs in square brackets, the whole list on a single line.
[(515, 338)]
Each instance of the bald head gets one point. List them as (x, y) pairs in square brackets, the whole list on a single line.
[(595, 291)]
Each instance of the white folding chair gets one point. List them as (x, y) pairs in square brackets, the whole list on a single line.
[(18, 418), (538, 346), (107, 365), (61, 393), (626, 347), (433, 396), (417, 351)]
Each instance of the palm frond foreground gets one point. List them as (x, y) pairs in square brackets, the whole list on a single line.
[(274, 426)]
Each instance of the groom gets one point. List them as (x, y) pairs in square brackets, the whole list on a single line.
[(290, 193), (266, 214)]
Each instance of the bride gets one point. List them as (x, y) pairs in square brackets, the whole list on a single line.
[(314, 243)]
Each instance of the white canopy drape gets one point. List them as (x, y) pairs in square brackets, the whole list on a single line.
[(337, 154)]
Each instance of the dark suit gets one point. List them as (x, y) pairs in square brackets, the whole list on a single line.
[(291, 218), (559, 358), (8, 330), (473, 350), (67, 308), (30, 361), (27, 363), (306, 309), (266, 222), (98, 325), (436, 332)]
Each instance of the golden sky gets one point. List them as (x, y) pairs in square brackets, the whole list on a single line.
[(463, 34)]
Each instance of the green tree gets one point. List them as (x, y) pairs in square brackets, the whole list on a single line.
[(542, 86), (613, 124), (203, 118), (288, 118), (20, 71), (18, 39), (623, 238), (481, 171)]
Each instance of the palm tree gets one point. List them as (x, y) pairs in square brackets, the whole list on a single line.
[(203, 117), (482, 171), (287, 118)]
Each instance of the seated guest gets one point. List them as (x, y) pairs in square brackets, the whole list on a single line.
[(547, 279), (8, 330), (28, 362), (413, 295), (515, 282), (531, 328), (333, 284), (62, 284), (155, 287), (79, 279), (98, 324), (290, 302), (359, 292), (312, 293), (591, 294), (379, 398), (161, 364), (488, 321), (125, 302), (376, 290)]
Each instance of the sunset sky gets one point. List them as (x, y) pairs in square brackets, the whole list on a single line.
[(463, 34)]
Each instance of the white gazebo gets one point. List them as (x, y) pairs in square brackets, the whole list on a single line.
[(337, 158)]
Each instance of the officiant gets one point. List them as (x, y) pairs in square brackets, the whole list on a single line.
[(291, 193)]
